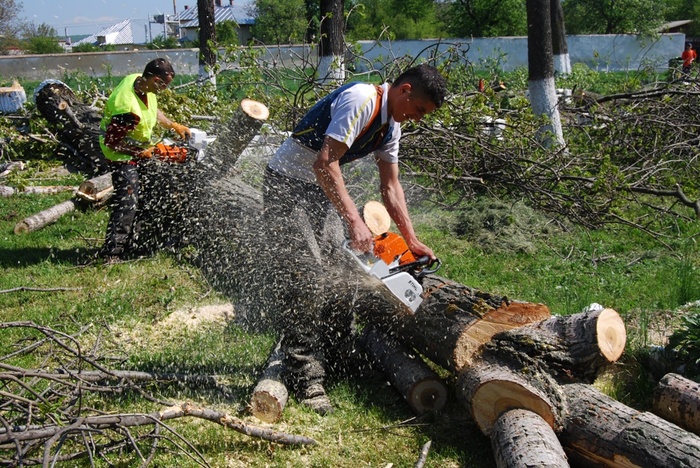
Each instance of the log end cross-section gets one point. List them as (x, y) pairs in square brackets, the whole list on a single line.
[(611, 333)]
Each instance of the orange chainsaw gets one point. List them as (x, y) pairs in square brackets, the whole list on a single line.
[(392, 261), (170, 153)]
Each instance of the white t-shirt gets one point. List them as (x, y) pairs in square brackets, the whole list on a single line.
[(351, 111)]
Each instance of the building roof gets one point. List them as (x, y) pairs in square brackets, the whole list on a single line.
[(241, 11), (673, 25), (119, 33)]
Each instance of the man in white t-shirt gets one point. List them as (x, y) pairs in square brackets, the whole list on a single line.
[(304, 192)]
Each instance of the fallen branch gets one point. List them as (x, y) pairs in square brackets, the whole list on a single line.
[(29, 288), (117, 421)]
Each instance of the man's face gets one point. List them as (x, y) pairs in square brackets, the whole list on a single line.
[(161, 82), (410, 105)]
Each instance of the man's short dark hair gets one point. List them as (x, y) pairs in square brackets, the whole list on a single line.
[(425, 80), (158, 67)]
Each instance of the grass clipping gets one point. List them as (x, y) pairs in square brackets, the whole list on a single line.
[(501, 226)]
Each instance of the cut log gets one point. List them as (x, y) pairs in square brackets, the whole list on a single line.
[(454, 320), (522, 438), (12, 98), (487, 390), (8, 167), (44, 218), (96, 190), (270, 394), (420, 386), (6, 191), (600, 431), (47, 189), (677, 399), (571, 348)]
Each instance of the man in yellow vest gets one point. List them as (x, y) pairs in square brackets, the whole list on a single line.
[(130, 116)]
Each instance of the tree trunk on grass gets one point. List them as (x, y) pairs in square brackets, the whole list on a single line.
[(44, 218), (601, 431), (521, 438), (677, 399), (454, 320)]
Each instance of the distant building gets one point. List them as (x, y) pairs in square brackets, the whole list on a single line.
[(117, 34), (239, 11)]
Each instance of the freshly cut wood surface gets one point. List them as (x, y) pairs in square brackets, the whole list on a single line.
[(488, 390), (521, 438), (376, 217), (677, 399), (255, 109)]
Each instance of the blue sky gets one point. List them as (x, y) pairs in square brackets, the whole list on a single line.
[(90, 16)]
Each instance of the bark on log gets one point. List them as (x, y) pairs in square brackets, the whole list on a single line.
[(454, 320), (97, 189), (522, 438), (422, 388), (270, 394), (9, 167), (600, 431), (44, 218), (571, 348), (489, 389), (677, 399)]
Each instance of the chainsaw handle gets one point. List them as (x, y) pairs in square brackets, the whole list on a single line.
[(424, 262), (430, 266)]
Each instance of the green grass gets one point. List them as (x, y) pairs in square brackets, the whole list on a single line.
[(128, 305)]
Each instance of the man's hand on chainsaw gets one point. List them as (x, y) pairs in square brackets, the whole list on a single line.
[(419, 249), (361, 239), (148, 153), (182, 131)]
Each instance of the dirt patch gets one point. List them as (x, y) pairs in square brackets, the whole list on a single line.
[(193, 317)]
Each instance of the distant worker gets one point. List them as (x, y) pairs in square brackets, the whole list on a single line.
[(688, 56), (304, 192), (130, 116)]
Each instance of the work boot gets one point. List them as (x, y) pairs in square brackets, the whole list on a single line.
[(314, 396)]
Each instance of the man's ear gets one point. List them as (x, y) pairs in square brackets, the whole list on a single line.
[(406, 88)]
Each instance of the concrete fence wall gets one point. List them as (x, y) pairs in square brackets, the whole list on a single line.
[(599, 52)]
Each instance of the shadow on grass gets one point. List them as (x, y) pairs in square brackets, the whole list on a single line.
[(28, 256)]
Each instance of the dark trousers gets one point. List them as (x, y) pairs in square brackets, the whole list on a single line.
[(125, 201), (308, 293)]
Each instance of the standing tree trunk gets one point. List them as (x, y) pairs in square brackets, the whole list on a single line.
[(560, 49), (207, 40), (543, 96), (331, 64)]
